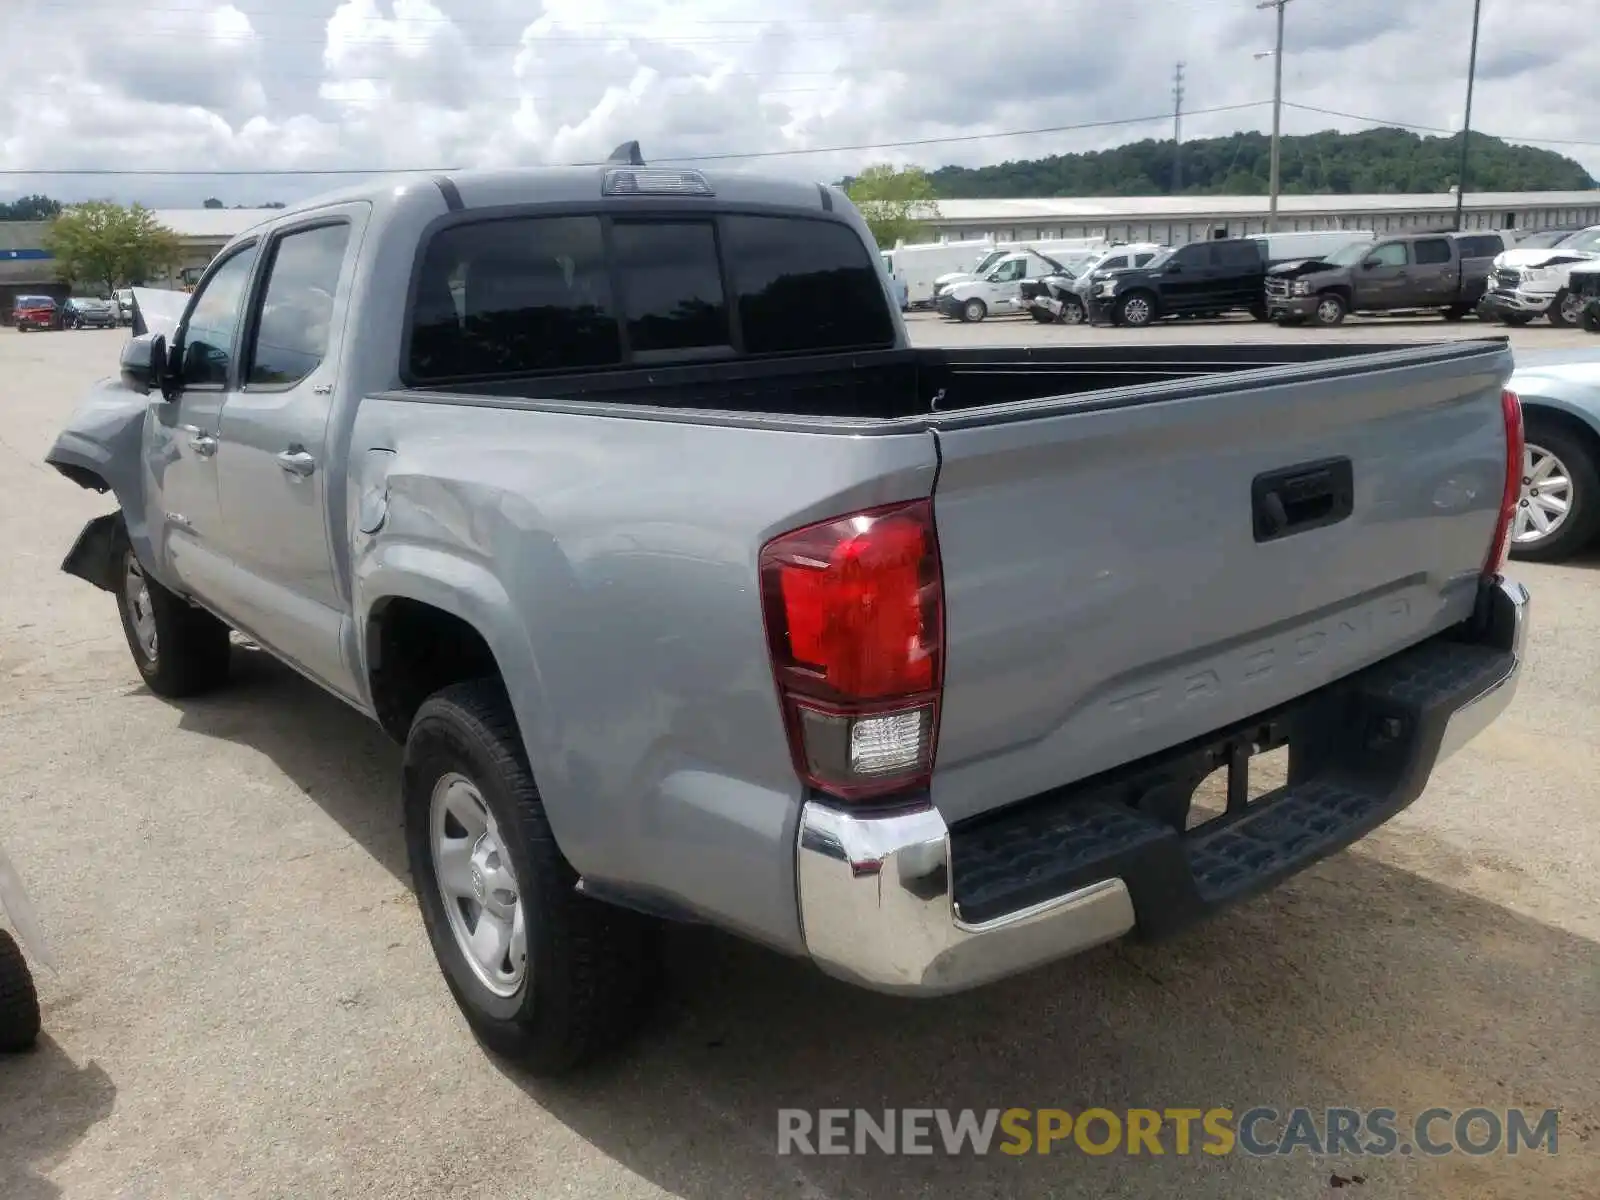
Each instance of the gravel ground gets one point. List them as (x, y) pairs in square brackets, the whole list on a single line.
[(248, 1005)]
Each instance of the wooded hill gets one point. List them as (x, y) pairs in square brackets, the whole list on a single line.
[(1330, 163)]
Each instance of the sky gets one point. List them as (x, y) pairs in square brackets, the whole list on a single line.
[(307, 85)]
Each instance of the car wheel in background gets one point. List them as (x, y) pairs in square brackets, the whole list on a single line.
[(1455, 312), (1558, 512), (1258, 312), (1331, 308), (974, 310), (1136, 309), (1565, 309)]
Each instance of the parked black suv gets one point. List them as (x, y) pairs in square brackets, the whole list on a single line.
[(1202, 279)]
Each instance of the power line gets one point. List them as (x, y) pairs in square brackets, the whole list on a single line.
[(1504, 137), (689, 158)]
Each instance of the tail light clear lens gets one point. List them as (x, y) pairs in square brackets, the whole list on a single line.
[(854, 613), (1511, 496)]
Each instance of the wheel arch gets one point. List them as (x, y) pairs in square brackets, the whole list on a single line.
[(1567, 417)]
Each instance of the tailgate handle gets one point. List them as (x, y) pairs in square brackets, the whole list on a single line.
[(1306, 496)]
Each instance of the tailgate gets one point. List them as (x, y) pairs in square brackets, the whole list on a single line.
[(1106, 593)]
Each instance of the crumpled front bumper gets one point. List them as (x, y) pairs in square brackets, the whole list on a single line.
[(1519, 300), (900, 902)]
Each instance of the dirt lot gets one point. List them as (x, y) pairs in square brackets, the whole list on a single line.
[(248, 1005)]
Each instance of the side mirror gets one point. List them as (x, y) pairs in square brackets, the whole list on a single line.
[(1369, 263), (1174, 268), (144, 362)]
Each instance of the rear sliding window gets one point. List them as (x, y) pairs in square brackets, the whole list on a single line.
[(545, 294)]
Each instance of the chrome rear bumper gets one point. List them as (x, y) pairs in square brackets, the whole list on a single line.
[(877, 897)]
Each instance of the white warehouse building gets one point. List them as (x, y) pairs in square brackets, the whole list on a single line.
[(1174, 220)]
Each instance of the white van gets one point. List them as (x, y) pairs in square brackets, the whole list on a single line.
[(918, 264), (1069, 251)]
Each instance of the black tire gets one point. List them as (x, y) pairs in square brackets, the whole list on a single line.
[(1591, 318), (1455, 312), (1331, 309), (191, 652), (1516, 319), (590, 965), (19, 1001), (1041, 316), (1144, 310), (1583, 518), (974, 310), (1073, 312), (1556, 312), (1258, 312), (1289, 320)]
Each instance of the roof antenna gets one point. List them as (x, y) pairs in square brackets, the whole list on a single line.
[(629, 154)]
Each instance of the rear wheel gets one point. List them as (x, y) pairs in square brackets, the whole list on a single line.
[(1072, 311), (180, 650), (1516, 319), (1565, 309), (974, 310), (1591, 318), (1041, 316), (542, 973), (1455, 312), (1558, 512), (1331, 309), (1289, 319)]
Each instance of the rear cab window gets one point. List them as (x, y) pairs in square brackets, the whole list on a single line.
[(556, 294)]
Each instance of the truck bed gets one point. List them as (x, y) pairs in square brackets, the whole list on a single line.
[(894, 385)]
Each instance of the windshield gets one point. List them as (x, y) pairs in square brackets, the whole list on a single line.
[(1161, 257), (1348, 255), (35, 302), (1589, 239), (987, 261), (1545, 240)]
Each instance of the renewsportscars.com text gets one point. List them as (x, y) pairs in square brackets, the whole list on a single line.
[(1256, 1131)]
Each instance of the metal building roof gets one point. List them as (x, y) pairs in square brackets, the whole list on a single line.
[(1173, 207)]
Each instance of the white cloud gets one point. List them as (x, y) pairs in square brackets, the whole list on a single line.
[(309, 84)]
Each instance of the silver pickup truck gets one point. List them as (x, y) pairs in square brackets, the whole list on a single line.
[(694, 592)]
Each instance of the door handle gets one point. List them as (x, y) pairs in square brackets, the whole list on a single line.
[(201, 442), (297, 462)]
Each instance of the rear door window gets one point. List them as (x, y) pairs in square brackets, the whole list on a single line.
[(1431, 251), (803, 285), (1481, 245), (506, 297), (671, 286), (1238, 254)]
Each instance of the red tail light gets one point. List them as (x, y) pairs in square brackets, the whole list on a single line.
[(854, 610), (1511, 495)]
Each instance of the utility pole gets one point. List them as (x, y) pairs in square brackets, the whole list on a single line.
[(1177, 129), (1466, 120), (1277, 111)]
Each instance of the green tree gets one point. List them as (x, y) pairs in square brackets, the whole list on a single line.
[(213, 202), (894, 202), (30, 208), (105, 243)]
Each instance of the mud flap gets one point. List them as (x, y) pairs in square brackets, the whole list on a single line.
[(93, 555)]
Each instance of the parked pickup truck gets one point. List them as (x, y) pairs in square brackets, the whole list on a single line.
[(1447, 271), (694, 591)]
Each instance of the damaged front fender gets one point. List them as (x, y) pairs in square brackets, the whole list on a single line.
[(101, 447)]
